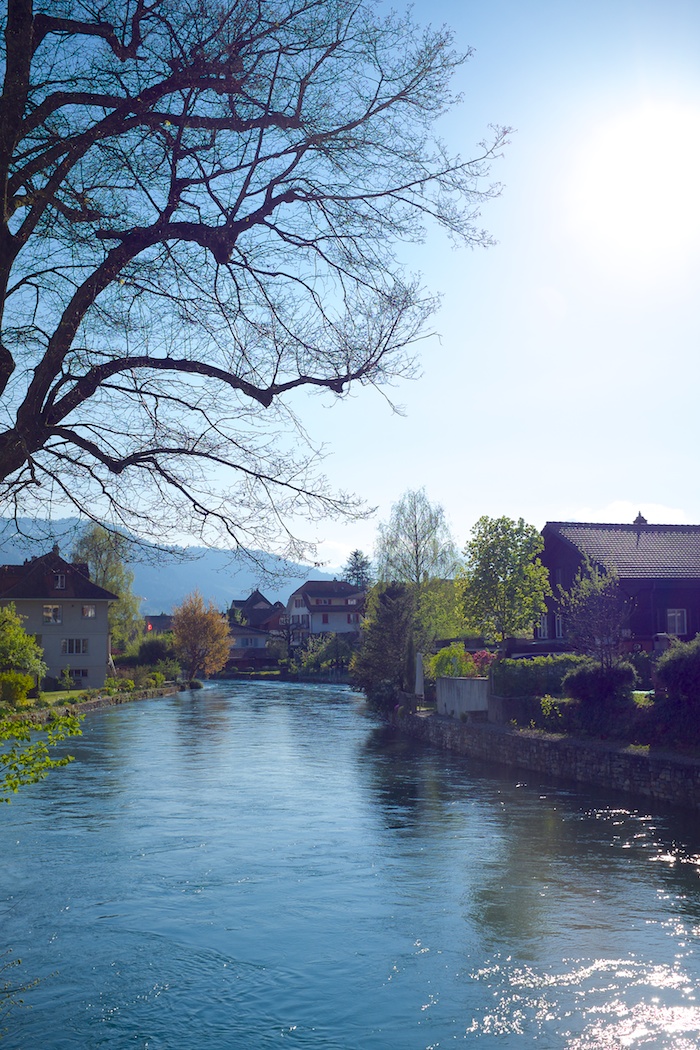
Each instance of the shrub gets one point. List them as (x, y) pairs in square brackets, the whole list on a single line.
[(118, 685), (678, 671), (451, 662), (592, 684), (604, 695), (151, 650), (678, 702), (539, 676), (642, 663), (14, 687)]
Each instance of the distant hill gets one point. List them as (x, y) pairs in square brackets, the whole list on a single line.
[(162, 581)]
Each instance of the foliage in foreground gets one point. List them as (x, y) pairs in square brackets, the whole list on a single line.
[(26, 757)]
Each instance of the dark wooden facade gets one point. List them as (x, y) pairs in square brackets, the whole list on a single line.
[(658, 567)]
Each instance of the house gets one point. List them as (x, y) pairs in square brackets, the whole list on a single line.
[(256, 611), (249, 647), (658, 567), (323, 607), (65, 611)]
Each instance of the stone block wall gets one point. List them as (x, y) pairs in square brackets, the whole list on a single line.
[(665, 778)]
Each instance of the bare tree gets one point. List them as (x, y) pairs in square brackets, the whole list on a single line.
[(200, 202), (416, 544)]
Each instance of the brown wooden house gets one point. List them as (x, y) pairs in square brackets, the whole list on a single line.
[(658, 567)]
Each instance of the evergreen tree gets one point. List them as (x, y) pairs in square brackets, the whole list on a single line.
[(358, 570)]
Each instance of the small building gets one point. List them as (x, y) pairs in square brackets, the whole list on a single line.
[(65, 611), (256, 611), (249, 648), (658, 567), (158, 624), (324, 607)]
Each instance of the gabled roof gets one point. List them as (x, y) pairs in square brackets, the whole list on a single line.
[(637, 551), (326, 589), (35, 579)]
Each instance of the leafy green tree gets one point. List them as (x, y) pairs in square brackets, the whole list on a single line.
[(201, 636), (503, 584), (105, 553), (440, 612), (596, 614), (415, 545), (19, 651), (201, 204), (358, 570)]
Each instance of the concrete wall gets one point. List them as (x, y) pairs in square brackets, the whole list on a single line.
[(461, 696), (664, 778)]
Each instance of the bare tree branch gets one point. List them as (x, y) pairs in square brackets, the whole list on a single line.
[(200, 205)]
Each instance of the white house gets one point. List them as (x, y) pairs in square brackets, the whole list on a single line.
[(324, 607), (65, 611)]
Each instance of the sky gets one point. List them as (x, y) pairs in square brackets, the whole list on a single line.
[(562, 383)]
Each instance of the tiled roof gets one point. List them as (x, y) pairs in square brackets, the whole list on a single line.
[(35, 579), (636, 551), (326, 589)]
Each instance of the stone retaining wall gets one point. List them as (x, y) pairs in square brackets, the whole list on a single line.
[(663, 777)]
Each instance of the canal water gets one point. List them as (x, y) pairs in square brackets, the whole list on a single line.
[(266, 865)]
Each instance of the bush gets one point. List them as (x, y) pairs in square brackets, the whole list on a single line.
[(539, 676), (678, 671), (677, 714), (451, 662), (14, 687), (118, 685), (604, 695), (642, 663), (592, 684)]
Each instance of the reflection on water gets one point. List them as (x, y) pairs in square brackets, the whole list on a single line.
[(255, 863)]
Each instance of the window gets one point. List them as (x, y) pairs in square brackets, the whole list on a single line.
[(298, 603), (324, 618), (59, 581), (89, 613), (74, 645), (558, 625), (52, 614), (351, 601), (543, 628), (79, 672), (353, 618), (675, 621), (323, 601)]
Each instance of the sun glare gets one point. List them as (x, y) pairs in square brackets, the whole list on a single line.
[(634, 199)]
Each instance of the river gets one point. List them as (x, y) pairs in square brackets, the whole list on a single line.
[(265, 865)]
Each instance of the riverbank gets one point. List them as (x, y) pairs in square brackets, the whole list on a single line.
[(662, 776), (40, 715)]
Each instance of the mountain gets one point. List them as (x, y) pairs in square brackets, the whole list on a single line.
[(162, 581)]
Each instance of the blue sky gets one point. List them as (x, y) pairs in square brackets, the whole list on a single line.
[(564, 381)]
